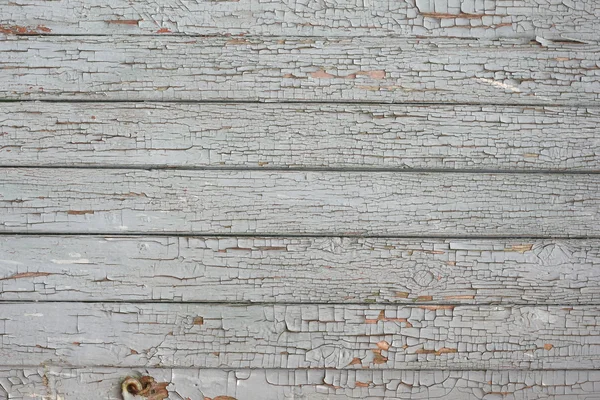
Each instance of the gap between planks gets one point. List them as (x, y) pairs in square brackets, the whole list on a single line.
[(429, 304), (307, 169), (300, 102), (293, 235)]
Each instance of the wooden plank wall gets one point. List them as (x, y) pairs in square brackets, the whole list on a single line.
[(300, 199)]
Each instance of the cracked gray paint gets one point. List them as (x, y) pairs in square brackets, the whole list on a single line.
[(300, 135), (293, 69), (298, 202), (513, 86), (276, 269), (466, 18), (301, 336), (56, 383)]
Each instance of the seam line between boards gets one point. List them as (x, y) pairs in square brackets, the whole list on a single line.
[(292, 303), (146, 167), (297, 235), (150, 367), (304, 102)]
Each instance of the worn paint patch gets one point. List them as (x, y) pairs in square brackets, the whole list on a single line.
[(382, 317), (443, 350), (24, 30), (521, 248), (124, 21), (321, 74), (383, 345), (378, 359), (23, 275), (459, 297), (80, 212)]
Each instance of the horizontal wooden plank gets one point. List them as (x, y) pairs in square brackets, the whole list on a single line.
[(299, 135), (300, 336), (471, 18), (270, 269), (307, 69), (273, 384), (298, 202)]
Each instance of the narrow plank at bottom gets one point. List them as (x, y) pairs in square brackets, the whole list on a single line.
[(300, 336), (54, 383), (299, 269)]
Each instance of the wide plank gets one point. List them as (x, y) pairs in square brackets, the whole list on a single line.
[(300, 336), (298, 202), (298, 69), (275, 135), (465, 18), (316, 270), (315, 384)]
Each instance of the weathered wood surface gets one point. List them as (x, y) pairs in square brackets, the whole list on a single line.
[(300, 336), (471, 18), (300, 135), (298, 202), (291, 69), (322, 270), (272, 384)]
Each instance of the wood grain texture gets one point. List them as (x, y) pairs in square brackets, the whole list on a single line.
[(321, 270), (300, 336), (300, 135), (293, 69), (470, 18), (315, 384), (298, 202)]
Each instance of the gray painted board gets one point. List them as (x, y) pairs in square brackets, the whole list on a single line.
[(308, 69), (465, 18), (277, 269), (298, 202), (300, 135), (330, 270), (58, 383), (300, 336)]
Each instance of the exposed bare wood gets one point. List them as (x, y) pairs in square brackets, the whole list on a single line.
[(307, 69), (298, 202), (340, 270), (300, 336), (299, 135), (314, 384), (472, 19)]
